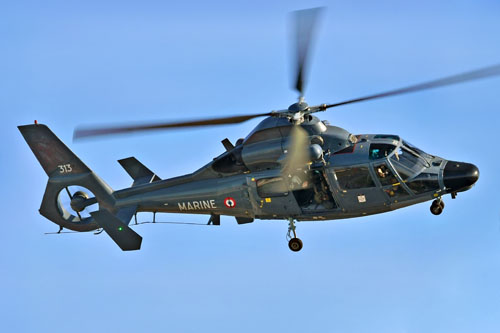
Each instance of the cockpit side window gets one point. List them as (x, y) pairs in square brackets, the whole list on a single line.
[(424, 182), (403, 173), (354, 178), (380, 150), (385, 175), (390, 184)]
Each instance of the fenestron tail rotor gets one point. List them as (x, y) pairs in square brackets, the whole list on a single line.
[(77, 211), (77, 200)]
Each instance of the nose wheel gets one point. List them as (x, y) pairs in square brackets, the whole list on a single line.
[(294, 243), (437, 206)]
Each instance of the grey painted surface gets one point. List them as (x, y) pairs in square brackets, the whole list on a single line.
[(234, 192)]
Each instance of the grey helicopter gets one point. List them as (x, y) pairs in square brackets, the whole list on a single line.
[(292, 166)]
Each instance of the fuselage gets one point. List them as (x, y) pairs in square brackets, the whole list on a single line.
[(356, 176)]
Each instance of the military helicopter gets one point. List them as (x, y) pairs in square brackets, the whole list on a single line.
[(292, 166)]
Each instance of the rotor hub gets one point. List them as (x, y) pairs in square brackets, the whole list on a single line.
[(298, 107), (78, 201)]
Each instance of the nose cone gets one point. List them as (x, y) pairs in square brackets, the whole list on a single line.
[(459, 176)]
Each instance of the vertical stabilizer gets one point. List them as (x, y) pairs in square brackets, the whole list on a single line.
[(51, 152)]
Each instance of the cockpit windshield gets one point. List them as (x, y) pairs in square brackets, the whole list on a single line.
[(409, 146), (408, 159)]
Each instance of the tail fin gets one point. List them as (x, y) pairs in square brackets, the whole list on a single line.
[(53, 155), (138, 171), (65, 169)]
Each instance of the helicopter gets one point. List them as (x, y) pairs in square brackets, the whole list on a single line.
[(292, 166)]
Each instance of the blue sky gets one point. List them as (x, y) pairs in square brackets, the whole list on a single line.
[(67, 63)]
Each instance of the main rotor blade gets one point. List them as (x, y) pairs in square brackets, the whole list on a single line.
[(298, 151), (304, 22), (454, 79), (86, 132)]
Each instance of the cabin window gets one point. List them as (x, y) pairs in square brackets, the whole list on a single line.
[(354, 178), (271, 187), (380, 150)]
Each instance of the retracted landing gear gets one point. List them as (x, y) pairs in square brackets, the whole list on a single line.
[(437, 206), (294, 243)]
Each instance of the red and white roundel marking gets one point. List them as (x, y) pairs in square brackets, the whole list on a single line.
[(230, 202)]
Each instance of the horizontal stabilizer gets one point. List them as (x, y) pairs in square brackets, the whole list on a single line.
[(138, 171), (126, 238), (125, 214)]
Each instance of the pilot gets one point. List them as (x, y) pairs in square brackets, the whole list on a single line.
[(382, 171)]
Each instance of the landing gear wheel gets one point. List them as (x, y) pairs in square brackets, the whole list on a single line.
[(437, 207), (295, 244)]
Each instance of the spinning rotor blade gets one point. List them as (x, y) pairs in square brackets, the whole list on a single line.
[(71, 198), (298, 152), (450, 80), (85, 132), (304, 22)]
